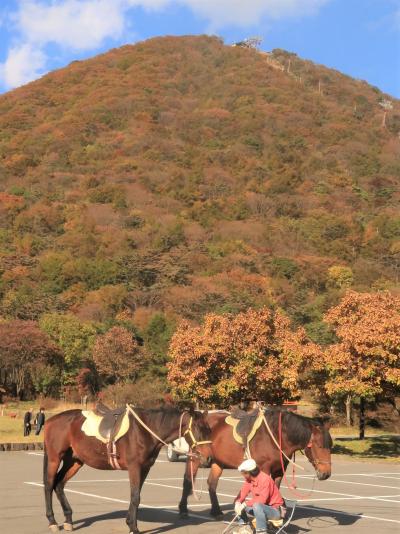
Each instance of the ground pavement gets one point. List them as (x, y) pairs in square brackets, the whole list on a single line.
[(360, 497)]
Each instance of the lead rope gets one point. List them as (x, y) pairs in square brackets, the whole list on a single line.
[(135, 415), (195, 492)]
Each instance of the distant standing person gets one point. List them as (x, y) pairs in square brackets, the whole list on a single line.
[(39, 420), (27, 422)]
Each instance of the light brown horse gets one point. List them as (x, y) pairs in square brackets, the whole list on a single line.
[(298, 433), (137, 451)]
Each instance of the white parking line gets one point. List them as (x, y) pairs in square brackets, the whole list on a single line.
[(84, 480), (346, 495), (360, 483), (169, 508), (379, 475), (180, 488), (334, 512), (384, 476)]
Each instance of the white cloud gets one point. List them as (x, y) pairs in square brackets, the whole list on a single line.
[(71, 23), (85, 25), (242, 13), (23, 63)]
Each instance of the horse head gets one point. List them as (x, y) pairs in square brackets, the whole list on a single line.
[(318, 449), (197, 432)]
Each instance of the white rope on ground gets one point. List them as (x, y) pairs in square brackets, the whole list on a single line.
[(230, 524)]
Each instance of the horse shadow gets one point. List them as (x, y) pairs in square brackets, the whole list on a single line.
[(169, 519), (315, 518), (319, 518)]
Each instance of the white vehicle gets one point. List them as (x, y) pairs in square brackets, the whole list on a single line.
[(177, 449)]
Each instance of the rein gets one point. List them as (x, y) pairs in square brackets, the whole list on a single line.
[(277, 444)]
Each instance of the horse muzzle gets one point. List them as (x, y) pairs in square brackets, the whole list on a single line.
[(323, 475)]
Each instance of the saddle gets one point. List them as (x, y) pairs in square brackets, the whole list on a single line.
[(111, 420), (244, 424), (108, 426)]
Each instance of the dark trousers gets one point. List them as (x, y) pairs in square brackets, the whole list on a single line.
[(38, 429), (27, 429)]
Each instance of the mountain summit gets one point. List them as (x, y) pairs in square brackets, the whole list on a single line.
[(183, 175)]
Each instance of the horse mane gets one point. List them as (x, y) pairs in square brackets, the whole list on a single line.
[(298, 428), (158, 417)]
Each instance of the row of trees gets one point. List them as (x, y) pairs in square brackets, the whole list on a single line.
[(62, 353), (256, 355)]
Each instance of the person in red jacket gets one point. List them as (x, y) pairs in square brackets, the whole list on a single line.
[(266, 503)]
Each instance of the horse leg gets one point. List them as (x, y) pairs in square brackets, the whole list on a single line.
[(51, 463), (215, 473), (192, 466), (135, 483), (69, 468)]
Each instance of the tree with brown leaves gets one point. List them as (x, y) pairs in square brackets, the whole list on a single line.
[(253, 355), (26, 356), (366, 359), (116, 355)]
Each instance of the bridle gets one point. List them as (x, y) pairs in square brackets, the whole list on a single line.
[(189, 432), (314, 461)]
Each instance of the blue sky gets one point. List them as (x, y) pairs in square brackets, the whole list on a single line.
[(358, 37)]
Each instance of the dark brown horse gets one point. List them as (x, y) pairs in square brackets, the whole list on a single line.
[(298, 433), (137, 451)]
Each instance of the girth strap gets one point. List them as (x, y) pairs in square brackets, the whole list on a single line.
[(112, 455)]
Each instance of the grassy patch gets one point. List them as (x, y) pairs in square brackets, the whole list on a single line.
[(12, 428), (352, 431), (12, 431), (380, 447)]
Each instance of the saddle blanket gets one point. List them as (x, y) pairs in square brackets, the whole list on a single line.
[(235, 422), (91, 426)]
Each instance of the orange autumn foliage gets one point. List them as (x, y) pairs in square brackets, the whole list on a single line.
[(366, 358), (254, 354)]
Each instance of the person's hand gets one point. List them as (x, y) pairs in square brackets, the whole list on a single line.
[(239, 507)]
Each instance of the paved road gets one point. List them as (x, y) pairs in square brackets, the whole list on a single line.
[(361, 497)]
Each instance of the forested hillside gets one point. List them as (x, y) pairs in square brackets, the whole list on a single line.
[(178, 177)]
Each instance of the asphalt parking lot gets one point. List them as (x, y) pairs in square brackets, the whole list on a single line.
[(360, 497)]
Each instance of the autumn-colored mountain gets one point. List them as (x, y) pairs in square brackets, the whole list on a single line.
[(183, 176)]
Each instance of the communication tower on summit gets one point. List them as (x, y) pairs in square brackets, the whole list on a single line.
[(250, 42), (387, 106)]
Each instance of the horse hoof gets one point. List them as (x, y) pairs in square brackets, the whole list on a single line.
[(53, 528), (218, 516), (68, 526), (183, 515)]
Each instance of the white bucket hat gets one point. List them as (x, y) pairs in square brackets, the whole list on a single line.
[(247, 465)]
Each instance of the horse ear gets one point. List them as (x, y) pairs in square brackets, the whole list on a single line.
[(205, 412)]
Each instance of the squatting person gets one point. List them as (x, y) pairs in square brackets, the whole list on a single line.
[(266, 503)]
